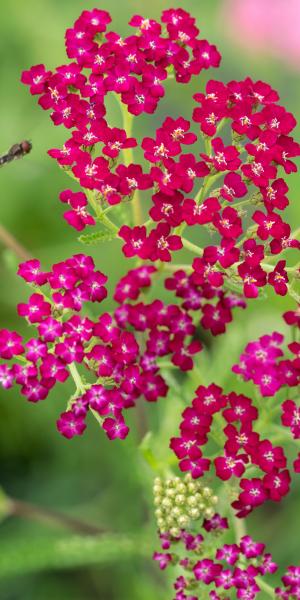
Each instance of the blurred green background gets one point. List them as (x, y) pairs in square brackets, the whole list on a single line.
[(98, 481)]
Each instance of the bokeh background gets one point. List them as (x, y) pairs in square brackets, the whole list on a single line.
[(90, 478)]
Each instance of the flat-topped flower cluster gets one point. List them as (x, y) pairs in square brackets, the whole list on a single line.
[(230, 421), (218, 176), (100, 157), (121, 351), (235, 568)]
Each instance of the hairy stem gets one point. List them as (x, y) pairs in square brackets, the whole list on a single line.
[(100, 213)]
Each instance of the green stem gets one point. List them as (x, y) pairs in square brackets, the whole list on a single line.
[(265, 587), (148, 223), (210, 180), (178, 267), (295, 233), (97, 416), (81, 388), (127, 125), (77, 379), (293, 294), (240, 531), (239, 528), (192, 247), (108, 223), (100, 213), (128, 159), (241, 203)]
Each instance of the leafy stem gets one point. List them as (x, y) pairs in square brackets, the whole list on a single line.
[(101, 215)]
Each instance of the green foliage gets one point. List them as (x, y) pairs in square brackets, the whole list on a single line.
[(28, 555), (92, 239)]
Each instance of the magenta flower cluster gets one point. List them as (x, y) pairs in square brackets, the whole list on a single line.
[(235, 568), (134, 69), (219, 174), (200, 294), (229, 420), (125, 365), (264, 363)]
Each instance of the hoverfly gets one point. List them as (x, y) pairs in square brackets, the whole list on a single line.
[(16, 151)]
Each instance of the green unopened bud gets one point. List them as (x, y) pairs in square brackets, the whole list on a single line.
[(192, 501), (194, 513), (170, 483), (176, 512), (161, 524), (170, 521), (166, 503), (198, 496), (180, 499), (192, 487), (183, 521), (181, 488), (171, 492)]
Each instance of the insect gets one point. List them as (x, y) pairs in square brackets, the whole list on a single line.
[(16, 151)]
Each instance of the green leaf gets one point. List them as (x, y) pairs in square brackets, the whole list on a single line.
[(147, 452), (31, 555), (91, 239), (5, 505)]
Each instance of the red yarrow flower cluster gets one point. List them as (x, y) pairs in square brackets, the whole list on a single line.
[(123, 367), (230, 568), (200, 294), (242, 446), (264, 363), (134, 68)]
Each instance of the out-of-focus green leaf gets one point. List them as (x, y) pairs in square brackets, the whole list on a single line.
[(29, 555), (4, 505), (147, 452)]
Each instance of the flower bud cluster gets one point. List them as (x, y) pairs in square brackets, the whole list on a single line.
[(179, 501)]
